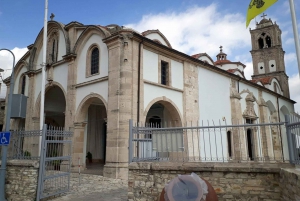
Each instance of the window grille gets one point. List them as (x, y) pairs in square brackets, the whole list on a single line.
[(164, 73), (95, 61)]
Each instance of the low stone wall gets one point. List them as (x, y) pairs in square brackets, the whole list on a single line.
[(290, 184), (21, 180), (231, 181)]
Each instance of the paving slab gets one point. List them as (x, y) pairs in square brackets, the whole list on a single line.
[(95, 188)]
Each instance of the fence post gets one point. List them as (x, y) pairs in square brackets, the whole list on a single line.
[(41, 167), (289, 139), (130, 148)]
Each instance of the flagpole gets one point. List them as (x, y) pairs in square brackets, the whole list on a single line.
[(43, 72), (296, 35)]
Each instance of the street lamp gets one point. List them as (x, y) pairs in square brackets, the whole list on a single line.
[(7, 128)]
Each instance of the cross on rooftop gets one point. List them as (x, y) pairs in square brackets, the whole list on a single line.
[(221, 48), (52, 16), (264, 15)]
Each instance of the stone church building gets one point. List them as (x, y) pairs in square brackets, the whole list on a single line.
[(99, 77)]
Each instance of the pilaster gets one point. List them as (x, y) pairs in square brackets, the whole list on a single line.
[(122, 102)]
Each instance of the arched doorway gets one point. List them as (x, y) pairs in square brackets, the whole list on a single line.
[(55, 106), (250, 144), (161, 144), (163, 114), (96, 132), (92, 116)]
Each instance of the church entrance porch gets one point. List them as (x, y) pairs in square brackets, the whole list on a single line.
[(90, 136)]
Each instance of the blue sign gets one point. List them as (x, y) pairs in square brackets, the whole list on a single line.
[(4, 138)]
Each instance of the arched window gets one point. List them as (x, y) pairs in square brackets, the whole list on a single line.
[(53, 51), (261, 43), (268, 41), (23, 84), (52, 47), (95, 61)]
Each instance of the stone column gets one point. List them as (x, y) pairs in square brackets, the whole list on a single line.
[(78, 145), (237, 134), (30, 102), (71, 92), (191, 110), (264, 131), (122, 104)]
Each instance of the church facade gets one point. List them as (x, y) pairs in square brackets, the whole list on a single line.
[(99, 77)]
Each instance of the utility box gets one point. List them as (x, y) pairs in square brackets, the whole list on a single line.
[(19, 105)]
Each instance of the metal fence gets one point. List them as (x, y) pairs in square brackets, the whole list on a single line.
[(24, 145), (55, 163), (293, 133), (208, 143)]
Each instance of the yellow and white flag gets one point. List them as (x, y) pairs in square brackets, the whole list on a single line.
[(256, 7)]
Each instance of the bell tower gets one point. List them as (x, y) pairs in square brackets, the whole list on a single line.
[(267, 53)]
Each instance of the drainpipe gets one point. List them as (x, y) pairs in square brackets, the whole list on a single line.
[(238, 85), (139, 81)]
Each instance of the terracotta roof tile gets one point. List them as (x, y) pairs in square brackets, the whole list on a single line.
[(263, 80)]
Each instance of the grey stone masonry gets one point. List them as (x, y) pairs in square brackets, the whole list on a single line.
[(290, 184), (21, 180), (231, 181)]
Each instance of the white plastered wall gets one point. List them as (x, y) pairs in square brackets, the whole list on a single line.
[(231, 66), (205, 58), (214, 105), (177, 74), (173, 95), (81, 65), (156, 36), (100, 88), (150, 66), (38, 86), (290, 107), (61, 46), (60, 75)]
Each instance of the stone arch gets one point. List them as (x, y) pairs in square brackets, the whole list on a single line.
[(85, 36), (38, 44), (271, 106), (170, 106), (91, 114), (48, 86), (84, 105)]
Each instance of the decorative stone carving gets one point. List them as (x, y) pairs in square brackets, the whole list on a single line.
[(234, 93), (250, 112)]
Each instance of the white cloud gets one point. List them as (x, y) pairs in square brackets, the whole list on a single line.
[(290, 57), (248, 71), (294, 83), (199, 29), (6, 62)]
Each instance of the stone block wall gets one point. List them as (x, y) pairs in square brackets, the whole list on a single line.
[(231, 181), (21, 180), (290, 184)]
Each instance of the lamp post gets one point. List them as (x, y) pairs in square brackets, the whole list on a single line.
[(7, 128)]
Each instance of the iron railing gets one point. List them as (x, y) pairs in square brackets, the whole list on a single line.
[(293, 133), (24, 145), (209, 143)]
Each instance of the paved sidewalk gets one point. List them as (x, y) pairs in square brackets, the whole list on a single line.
[(95, 188)]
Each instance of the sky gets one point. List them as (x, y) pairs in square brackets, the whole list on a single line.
[(191, 26)]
